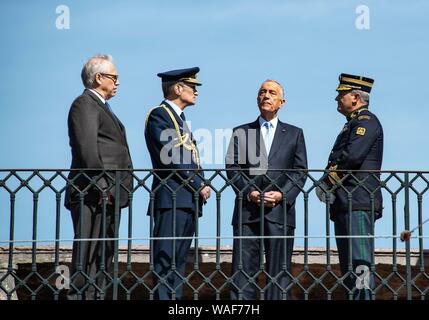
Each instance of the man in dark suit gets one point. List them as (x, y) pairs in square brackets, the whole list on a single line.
[(258, 159), (178, 187), (98, 141), (355, 198)]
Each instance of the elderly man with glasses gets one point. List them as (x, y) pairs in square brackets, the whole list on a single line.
[(97, 141)]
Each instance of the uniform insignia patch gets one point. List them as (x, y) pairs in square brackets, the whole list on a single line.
[(360, 131), (364, 117)]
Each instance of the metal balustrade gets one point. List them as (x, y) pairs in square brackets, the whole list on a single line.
[(35, 224)]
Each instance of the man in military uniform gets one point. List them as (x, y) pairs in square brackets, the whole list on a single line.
[(179, 191), (356, 200)]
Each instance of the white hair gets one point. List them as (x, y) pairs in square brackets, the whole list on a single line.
[(364, 96), (99, 63), (282, 92)]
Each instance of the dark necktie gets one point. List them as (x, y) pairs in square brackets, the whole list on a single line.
[(191, 137), (185, 125), (108, 107), (111, 112)]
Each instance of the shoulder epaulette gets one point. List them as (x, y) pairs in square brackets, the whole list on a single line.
[(364, 117), (148, 115), (183, 140), (357, 112)]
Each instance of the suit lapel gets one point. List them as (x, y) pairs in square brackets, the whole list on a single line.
[(278, 140), (261, 150), (116, 121)]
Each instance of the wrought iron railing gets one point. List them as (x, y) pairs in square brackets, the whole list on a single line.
[(33, 221)]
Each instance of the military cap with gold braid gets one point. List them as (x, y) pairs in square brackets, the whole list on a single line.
[(351, 82), (188, 75)]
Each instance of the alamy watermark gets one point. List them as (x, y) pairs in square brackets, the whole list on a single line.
[(218, 147), (63, 19), (362, 21), (63, 280), (362, 281)]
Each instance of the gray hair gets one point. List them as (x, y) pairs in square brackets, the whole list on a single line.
[(96, 64), (282, 91), (364, 96)]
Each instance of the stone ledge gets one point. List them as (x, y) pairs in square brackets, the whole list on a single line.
[(395, 276), (206, 254)]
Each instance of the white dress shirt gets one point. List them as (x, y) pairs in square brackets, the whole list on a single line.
[(268, 129)]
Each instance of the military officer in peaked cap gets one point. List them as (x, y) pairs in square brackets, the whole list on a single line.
[(359, 146), (179, 192)]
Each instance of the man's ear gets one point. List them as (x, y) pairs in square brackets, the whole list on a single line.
[(356, 96), (98, 78), (178, 90)]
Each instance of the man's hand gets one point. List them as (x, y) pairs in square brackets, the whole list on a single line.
[(323, 193), (108, 198), (205, 193), (254, 196), (271, 199)]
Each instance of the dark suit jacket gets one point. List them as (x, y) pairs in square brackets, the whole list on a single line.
[(97, 141), (188, 179), (246, 152)]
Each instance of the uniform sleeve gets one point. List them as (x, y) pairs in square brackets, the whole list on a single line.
[(363, 133), (160, 135), (364, 130)]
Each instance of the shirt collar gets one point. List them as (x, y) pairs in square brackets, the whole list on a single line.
[(273, 122), (98, 95), (355, 113), (175, 107)]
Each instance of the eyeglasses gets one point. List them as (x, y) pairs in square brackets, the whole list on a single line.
[(193, 88), (113, 77)]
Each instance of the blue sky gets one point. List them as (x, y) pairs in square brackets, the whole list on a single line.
[(237, 44)]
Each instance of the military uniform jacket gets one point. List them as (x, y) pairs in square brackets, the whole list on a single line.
[(167, 154), (247, 153), (359, 146)]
